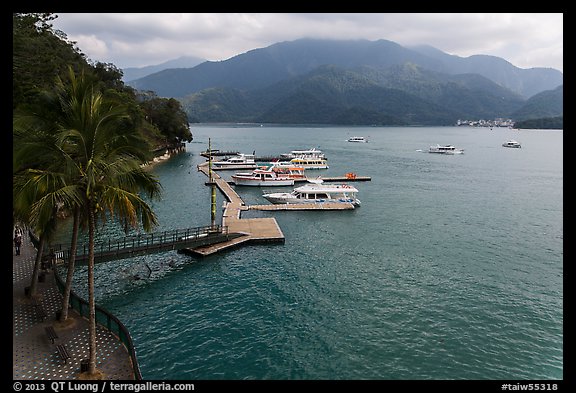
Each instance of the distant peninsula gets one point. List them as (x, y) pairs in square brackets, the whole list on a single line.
[(546, 123)]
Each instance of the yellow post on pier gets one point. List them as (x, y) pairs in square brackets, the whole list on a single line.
[(212, 187)]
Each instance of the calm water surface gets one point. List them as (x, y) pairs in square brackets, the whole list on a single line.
[(451, 269)]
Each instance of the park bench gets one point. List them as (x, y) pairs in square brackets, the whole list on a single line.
[(51, 333), (63, 352)]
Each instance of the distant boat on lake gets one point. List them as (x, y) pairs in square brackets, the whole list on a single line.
[(359, 139), (445, 149)]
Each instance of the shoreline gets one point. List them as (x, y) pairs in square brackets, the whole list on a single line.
[(168, 153)]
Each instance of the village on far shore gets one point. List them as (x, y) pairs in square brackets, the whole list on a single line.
[(498, 122)]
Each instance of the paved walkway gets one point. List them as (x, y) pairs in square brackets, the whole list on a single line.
[(34, 355)]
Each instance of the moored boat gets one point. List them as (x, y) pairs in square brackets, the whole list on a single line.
[(307, 163), (310, 153), (290, 171), (240, 160), (262, 178), (317, 193)]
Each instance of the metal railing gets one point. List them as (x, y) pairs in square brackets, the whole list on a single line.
[(141, 243), (104, 319), (137, 243)]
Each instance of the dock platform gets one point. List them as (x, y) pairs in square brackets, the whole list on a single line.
[(256, 230), (259, 230), (346, 178)]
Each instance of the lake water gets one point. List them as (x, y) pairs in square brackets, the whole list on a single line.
[(452, 268)]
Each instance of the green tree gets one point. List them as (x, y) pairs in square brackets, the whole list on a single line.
[(106, 153), (39, 55), (167, 114), (38, 182), (101, 153)]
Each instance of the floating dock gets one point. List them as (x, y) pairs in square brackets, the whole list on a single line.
[(340, 178), (251, 230), (259, 230)]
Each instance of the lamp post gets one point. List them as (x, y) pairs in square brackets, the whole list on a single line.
[(212, 188)]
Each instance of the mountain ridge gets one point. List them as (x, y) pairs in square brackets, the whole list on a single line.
[(132, 73), (264, 66), (351, 81)]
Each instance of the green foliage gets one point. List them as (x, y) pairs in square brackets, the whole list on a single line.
[(547, 123), (167, 114), (327, 95), (547, 104), (42, 56), (39, 55)]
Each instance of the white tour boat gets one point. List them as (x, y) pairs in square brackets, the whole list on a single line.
[(310, 153), (316, 193), (307, 163), (360, 139), (445, 149), (262, 178), (240, 160), (512, 143), (290, 171)]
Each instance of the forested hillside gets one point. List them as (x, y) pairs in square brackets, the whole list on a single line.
[(351, 82), (42, 55), (397, 95)]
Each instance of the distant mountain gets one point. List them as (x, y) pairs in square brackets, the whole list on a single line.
[(350, 82), (263, 67), (399, 95), (525, 82), (469, 95), (549, 103), (132, 73)]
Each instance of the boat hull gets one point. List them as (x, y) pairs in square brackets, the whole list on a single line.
[(316, 193), (448, 150), (239, 181), (357, 139), (281, 198), (448, 153)]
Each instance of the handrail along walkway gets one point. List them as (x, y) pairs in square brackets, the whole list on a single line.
[(141, 244)]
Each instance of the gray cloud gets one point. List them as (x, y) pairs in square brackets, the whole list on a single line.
[(128, 40)]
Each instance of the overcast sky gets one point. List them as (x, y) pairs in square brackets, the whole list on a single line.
[(136, 40)]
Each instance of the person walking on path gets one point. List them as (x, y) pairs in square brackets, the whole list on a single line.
[(17, 242)]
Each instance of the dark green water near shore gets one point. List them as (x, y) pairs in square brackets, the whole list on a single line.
[(452, 268)]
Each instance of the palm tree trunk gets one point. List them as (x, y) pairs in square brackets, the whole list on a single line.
[(91, 300), (71, 260), (35, 271)]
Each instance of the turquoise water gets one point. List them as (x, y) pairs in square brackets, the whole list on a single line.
[(452, 268)]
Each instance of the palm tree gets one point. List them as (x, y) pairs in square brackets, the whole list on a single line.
[(29, 189), (39, 165), (106, 153), (36, 179), (101, 156)]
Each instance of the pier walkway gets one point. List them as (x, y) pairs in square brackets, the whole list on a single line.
[(147, 243), (253, 229)]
